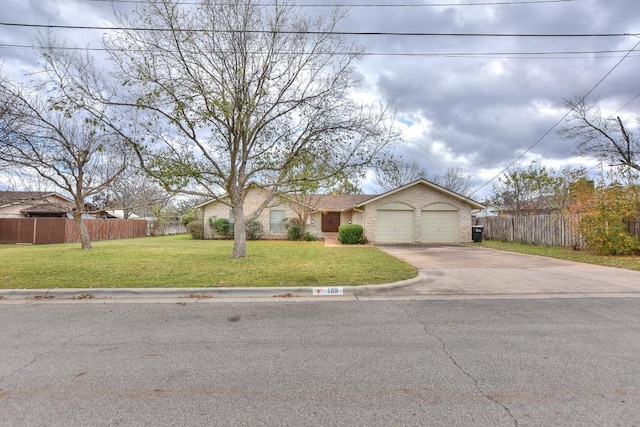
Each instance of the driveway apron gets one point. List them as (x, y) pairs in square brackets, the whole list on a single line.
[(471, 270)]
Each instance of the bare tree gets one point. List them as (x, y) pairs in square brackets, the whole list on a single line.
[(134, 193), (601, 137), (68, 150), (226, 94), (455, 179), (303, 205), (395, 172)]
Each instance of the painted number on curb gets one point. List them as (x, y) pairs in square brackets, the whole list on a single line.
[(328, 291)]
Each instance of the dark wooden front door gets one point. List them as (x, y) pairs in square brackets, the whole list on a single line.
[(330, 222)]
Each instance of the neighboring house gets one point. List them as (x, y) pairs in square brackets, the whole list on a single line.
[(34, 204), (121, 214), (488, 211), (419, 212)]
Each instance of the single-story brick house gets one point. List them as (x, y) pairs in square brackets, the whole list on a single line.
[(419, 212), (34, 204)]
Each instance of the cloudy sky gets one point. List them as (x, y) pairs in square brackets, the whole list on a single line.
[(479, 102)]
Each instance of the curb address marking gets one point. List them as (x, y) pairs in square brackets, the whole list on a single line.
[(328, 291)]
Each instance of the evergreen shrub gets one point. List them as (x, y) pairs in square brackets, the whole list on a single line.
[(351, 234)]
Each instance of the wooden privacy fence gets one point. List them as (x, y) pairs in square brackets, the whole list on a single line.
[(633, 228), (552, 230), (61, 230)]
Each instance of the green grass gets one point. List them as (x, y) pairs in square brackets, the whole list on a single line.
[(179, 261), (628, 262)]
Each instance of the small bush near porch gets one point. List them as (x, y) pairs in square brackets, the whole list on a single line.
[(179, 261), (350, 234)]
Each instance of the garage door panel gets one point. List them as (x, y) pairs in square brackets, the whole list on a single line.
[(395, 226), (440, 227)]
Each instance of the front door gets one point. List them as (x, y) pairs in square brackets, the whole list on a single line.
[(330, 222)]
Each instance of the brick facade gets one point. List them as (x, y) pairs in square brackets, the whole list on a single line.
[(418, 197), (254, 199)]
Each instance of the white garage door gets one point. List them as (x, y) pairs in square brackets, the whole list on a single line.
[(440, 227), (395, 226)]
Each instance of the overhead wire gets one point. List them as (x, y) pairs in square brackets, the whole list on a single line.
[(373, 5), (610, 116), (558, 122), (512, 55), (341, 33), (365, 33)]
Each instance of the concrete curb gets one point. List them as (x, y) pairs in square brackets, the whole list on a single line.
[(132, 293), (192, 293), (413, 289)]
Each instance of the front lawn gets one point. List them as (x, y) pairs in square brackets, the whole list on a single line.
[(179, 261), (569, 254)]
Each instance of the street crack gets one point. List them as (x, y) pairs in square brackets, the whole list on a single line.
[(457, 365), (60, 346)]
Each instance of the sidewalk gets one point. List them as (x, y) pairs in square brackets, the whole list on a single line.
[(331, 239)]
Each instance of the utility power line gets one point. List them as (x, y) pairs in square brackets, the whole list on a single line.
[(372, 5), (549, 54), (343, 33), (558, 122), (611, 116)]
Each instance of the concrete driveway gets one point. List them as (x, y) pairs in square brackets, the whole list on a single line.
[(461, 270)]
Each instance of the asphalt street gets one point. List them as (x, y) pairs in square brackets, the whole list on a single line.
[(514, 362)]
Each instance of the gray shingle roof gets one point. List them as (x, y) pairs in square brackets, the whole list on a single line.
[(337, 202)]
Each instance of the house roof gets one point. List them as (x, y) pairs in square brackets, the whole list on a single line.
[(318, 202), (429, 184), (120, 214), (10, 197), (345, 202), (46, 209), (36, 202), (336, 202)]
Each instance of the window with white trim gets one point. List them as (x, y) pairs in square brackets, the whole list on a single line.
[(276, 220)]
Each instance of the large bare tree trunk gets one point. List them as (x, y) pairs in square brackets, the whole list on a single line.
[(239, 233), (82, 228)]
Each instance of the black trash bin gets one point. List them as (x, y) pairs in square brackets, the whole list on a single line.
[(476, 233)]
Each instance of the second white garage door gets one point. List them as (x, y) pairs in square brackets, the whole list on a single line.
[(395, 225), (440, 226)]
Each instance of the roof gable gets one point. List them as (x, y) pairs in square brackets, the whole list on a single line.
[(346, 202), (16, 197), (427, 184), (318, 202)]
